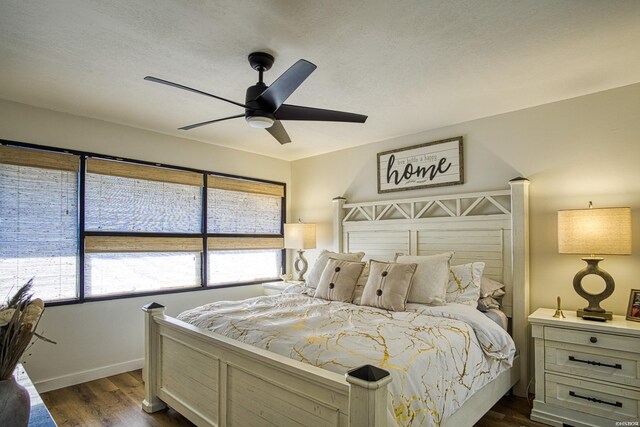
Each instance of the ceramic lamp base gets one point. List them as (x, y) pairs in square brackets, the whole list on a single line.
[(300, 266), (594, 311)]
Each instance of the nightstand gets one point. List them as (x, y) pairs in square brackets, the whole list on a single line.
[(275, 288), (587, 373)]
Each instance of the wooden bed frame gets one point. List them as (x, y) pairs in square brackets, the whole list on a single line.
[(216, 381)]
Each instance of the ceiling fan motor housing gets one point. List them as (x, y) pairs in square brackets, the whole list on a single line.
[(257, 109)]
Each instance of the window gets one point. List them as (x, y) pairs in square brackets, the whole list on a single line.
[(124, 228), (238, 211), (227, 267), (116, 265), (129, 198), (134, 272), (134, 198), (38, 222), (237, 206)]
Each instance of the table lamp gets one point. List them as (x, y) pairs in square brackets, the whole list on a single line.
[(592, 232), (300, 236)]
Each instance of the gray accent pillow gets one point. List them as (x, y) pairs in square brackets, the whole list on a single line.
[(487, 303), (388, 285), (313, 278), (491, 294), (338, 280), (491, 288)]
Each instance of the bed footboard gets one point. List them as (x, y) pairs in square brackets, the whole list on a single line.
[(216, 381)]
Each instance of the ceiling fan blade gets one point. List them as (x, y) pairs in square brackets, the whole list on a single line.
[(297, 112), (197, 125), (279, 133), (286, 84), (179, 86)]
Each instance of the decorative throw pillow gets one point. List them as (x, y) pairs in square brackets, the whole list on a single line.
[(464, 283), (313, 278), (430, 281), (491, 288), (362, 281), (491, 293), (388, 285), (338, 280), (487, 303)]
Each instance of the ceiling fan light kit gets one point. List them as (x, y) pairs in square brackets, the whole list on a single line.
[(260, 122), (264, 105)]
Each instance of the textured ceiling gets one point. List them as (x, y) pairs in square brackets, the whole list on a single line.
[(409, 65)]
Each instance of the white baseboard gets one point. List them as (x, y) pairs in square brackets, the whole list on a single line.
[(85, 376)]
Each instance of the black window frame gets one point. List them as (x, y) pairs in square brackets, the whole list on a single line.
[(203, 234)]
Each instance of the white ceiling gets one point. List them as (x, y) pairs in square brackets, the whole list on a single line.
[(411, 65)]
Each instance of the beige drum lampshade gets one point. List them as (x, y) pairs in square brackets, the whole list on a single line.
[(299, 236), (605, 231)]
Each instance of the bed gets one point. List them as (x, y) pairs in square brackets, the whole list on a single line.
[(214, 379)]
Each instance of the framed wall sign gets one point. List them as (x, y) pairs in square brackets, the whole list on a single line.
[(433, 164)]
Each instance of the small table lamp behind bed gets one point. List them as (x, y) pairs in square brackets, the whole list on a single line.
[(300, 236)]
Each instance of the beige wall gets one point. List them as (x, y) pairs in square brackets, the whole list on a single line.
[(103, 338), (573, 151)]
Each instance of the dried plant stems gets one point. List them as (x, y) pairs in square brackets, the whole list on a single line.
[(15, 340), (19, 318)]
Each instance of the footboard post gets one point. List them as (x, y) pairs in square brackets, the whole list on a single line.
[(151, 403), (368, 396)]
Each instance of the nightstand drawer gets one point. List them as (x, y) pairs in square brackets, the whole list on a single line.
[(589, 397), (592, 339), (604, 364)]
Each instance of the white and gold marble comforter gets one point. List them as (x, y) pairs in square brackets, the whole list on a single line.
[(438, 356)]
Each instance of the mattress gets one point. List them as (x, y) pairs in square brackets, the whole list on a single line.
[(437, 356)]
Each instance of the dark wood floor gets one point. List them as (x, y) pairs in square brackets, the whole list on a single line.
[(115, 401)]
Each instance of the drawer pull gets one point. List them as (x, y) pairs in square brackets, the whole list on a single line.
[(593, 399), (593, 340), (593, 362)]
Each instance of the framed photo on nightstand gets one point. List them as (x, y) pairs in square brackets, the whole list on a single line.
[(633, 311)]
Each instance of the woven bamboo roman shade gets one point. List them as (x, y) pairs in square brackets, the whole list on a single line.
[(149, 173), (38, 158), (39, 221), (244, 243), (128, 197), (245, 186), (105, 244), (237, 206)]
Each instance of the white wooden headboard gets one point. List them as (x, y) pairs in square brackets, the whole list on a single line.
[(489, 226)]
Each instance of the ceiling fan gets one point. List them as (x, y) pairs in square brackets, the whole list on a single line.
[(264, 105)]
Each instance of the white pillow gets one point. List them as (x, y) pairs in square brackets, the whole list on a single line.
[(431, 277), (313, 278), (464, 283)]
